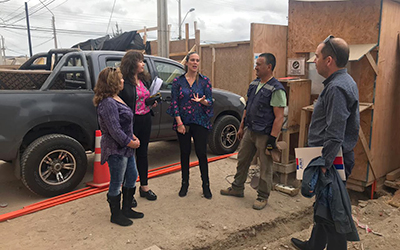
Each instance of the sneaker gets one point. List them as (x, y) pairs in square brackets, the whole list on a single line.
[(231, 192), (260, 203), (298, 244)]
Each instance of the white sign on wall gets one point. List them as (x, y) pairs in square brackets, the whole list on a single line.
[(296, 66), (256, 55)]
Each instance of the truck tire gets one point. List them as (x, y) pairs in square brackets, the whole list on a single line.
[(53, 164), (223, 138)]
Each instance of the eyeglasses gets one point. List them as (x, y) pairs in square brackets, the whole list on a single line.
[(328, 41)]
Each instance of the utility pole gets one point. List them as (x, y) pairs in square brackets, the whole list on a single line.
[(179, 21), (162, 32), (28, 28), (54, 31), (53, 24), (2, 52)]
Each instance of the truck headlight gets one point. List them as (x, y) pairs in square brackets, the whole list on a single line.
[(242, 100)]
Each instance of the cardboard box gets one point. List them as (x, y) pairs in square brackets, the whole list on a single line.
[(305, 155)]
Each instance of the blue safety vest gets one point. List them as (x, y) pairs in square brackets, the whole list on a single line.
[(259, 113)]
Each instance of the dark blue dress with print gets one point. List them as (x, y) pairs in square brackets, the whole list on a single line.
[(191, 112)]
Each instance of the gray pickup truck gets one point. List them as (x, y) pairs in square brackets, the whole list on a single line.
[(48, 120)]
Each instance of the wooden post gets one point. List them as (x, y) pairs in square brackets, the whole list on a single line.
[(302, 134), (187, 37), (169, 40), (213, 66), (197, 43), (145, 36)]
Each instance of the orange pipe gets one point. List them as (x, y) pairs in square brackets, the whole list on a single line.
[(57, 197), (84, 192)]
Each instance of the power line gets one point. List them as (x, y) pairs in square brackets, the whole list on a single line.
[(64, 31), (43, 42)]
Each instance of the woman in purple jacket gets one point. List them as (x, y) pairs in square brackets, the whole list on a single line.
[(117, 144)]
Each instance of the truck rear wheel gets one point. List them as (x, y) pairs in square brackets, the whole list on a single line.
[(53, 164), (223, 138)]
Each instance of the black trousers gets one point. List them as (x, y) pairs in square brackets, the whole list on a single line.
[(142, 130), (324, 233), (199, 134)]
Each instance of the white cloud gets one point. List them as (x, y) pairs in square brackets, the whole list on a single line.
[(218, 20)]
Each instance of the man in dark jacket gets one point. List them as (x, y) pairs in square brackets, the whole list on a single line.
[(335, 124), (261, 124)]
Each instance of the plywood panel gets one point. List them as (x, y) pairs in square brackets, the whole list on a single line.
[(271, 39), (206, 62), (298, 97), (356, 21), (231, 68), (385, 133)]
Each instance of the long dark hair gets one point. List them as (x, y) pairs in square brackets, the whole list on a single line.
[(129, 67)]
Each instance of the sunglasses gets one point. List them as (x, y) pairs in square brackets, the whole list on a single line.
[(328, 41)]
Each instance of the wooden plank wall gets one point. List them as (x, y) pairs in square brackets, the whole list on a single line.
[(356, 21), (386, 135), (364, 76), (271, 39), (230, 68)]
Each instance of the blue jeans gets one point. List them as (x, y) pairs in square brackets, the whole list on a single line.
[(122, 172)]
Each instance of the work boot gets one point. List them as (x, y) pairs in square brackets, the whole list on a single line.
[(184, 189), (298, 244), (127, 196), (232, 192), (260, 203), (206, 191), (116, 214), (134, 202)]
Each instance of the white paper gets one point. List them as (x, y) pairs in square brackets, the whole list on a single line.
[(305, 155), (155, 86)]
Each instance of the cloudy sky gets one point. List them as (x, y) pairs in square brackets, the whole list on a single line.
[(80, 20)]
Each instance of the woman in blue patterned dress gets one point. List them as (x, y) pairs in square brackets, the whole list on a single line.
[(191, 106)]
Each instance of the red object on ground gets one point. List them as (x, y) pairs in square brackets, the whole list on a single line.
[(84, 192), (101, 173)]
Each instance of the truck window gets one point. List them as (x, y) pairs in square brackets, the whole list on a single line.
[(73, 80), (117, 63), (168, 72)]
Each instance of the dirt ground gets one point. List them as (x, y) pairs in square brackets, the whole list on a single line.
[(193, 222)]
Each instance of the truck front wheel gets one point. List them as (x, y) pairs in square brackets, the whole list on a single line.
[(223, 138), (53, 164)]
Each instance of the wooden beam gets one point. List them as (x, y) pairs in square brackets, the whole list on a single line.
[(169, 39), (145, 35), (187, 37), (303, 127), (393, 175), (213, 66), (367, 151), (147, 29), (372, 62), (178, 54), (191, 50)]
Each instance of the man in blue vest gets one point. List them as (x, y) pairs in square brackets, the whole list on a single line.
[(261, 124)]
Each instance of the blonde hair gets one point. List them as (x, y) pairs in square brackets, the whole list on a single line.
[(108, 84)]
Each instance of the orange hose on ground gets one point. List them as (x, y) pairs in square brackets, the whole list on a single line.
[(58, 197), (64, 198)]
